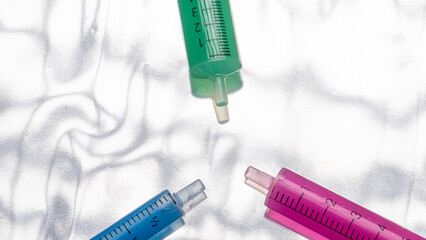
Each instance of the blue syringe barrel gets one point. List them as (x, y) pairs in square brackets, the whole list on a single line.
[(157, 218)]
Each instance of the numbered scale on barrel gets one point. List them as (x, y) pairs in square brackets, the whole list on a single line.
[(157, 218), (318, 213)]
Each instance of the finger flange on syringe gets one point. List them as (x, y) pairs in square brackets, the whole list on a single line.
[(157, 218), (318, 213)]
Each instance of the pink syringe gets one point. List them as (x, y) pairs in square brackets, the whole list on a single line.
[(317, 213)]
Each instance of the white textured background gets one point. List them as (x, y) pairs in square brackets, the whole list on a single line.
[(96, 114)]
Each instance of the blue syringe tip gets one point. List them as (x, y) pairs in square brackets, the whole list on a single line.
[(192, 195)]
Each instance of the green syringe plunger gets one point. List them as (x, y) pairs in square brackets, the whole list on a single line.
[(212, 51)]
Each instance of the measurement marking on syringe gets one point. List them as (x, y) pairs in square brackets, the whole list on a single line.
[(205, 9), (349, 226), (114, 233), (172, 198), (126, 228), (298, 201), (320, 220), (324, 214), (210, 24), (217, 39), (306, 211), (218, 55), (221, 37), (220, 31)]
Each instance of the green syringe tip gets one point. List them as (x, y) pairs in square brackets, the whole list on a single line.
[(220, 98), (220, 93), (222, 113)]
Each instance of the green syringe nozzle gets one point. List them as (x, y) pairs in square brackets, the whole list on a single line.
[(222, 113), (220, 98), (220, 94)]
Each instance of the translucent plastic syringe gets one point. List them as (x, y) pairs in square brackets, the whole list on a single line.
[(157, 218), (212, 51), (318, 213)]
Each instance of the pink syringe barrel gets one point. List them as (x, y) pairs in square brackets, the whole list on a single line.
[(319, 214)]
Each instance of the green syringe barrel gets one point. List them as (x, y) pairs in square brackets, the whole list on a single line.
[(212, 50)]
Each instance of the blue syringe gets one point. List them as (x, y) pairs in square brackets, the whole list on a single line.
[(157, 218)]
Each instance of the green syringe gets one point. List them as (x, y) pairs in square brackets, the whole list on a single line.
[(212, 51)]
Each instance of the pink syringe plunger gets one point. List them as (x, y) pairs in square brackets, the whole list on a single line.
[(319, 214)]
